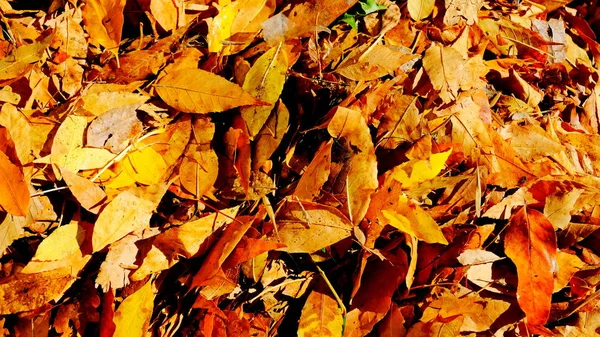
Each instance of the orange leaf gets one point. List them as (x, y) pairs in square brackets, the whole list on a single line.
[(221, 250), (103, 20), (321, 316), (14, 195), (530, 243)]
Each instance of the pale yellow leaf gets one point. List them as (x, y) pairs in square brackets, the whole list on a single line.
[(420, 9), (89, 195)]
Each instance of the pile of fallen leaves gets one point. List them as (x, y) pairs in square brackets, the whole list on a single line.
[(318, 168)]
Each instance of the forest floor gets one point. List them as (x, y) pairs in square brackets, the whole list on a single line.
[(320, 168)]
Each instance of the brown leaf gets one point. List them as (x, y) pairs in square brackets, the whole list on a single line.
[(530, 243), (26, 292)]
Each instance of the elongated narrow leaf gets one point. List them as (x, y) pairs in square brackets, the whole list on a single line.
[(530, 243), (199, 91)]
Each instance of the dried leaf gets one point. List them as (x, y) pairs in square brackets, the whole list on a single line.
[(132, 318), (264, 81), (321, 316), (306, 227), (26, 292), (14, 193), (129, 211), (530, 243), (408, 217), (198, 91), (104, 22), (420, 9)]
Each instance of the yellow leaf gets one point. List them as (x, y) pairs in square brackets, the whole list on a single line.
[(103, 20), (321, 316), (146, 166), (129, 211), (199, 169), (132, 318), (420, 9), (199, 91), (421, 170), (26, 292), (264, 81), (18, 62), (64, 241), (409, 218), (219, 28), (165, 12)]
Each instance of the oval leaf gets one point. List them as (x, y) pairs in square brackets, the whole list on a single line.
[(14, 195), (305, 227), (199, 91)]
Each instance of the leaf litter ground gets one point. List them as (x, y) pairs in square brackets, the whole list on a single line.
[(319, 168)]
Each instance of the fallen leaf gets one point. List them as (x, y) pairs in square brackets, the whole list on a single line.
[(264, 81), (198, 91), (22, 58), (530, 243), (104, 22), (129, 211), (132, 317), (321, 316), (420, 9), (89, 195), (306, 227), (26, 292), (14, 193), (408, 217)]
